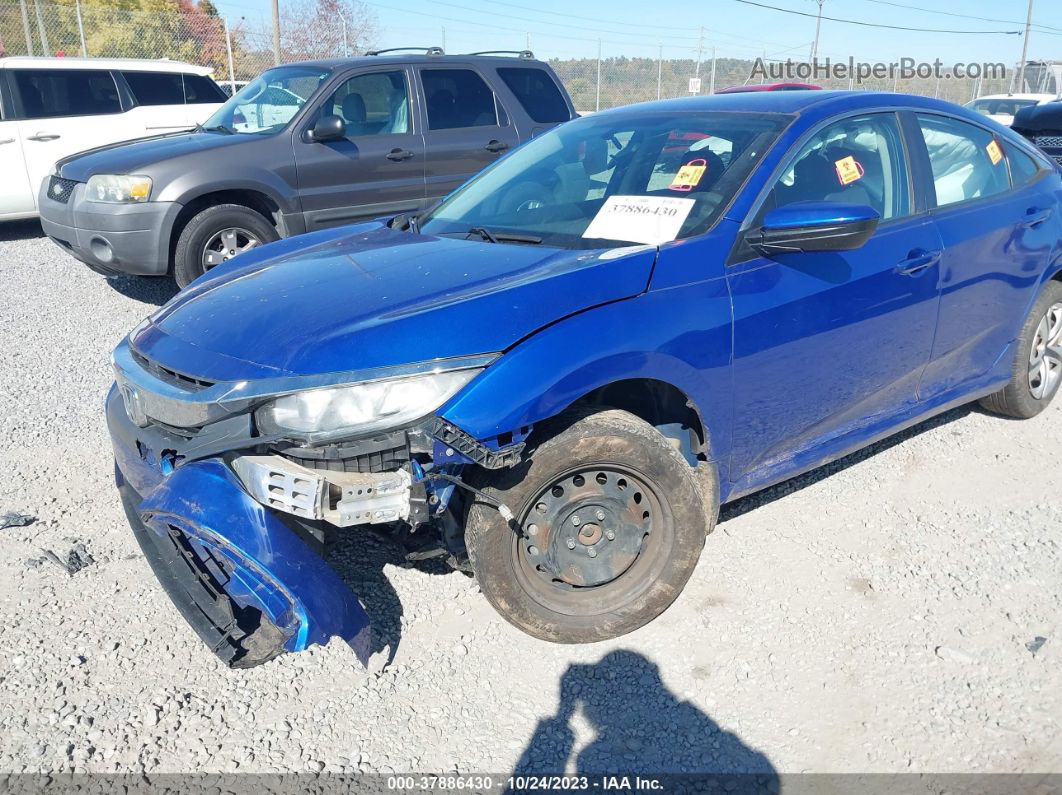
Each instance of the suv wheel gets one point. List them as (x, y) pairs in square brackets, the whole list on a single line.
[(215, 235), (1037, 370), (609, 523)]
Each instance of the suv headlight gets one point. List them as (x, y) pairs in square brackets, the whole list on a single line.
[(360, 408), (118, 188)]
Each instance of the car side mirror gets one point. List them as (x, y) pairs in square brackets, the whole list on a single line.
[(815, 226), (328, 128)]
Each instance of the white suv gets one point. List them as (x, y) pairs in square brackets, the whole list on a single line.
[(51, 108)]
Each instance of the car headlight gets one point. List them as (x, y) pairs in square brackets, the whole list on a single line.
[(118, 188), (360, 408)]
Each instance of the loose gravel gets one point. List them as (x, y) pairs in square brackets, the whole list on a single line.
[(896, 611)]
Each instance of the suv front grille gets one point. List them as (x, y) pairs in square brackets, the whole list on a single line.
[(1048, 141), (173, 377), (60, 189)]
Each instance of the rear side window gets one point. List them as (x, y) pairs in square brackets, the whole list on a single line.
[(458, 98), (537, 93), (200, 90), (967, 161), (155, 88), (1022, 167), (48, 93)]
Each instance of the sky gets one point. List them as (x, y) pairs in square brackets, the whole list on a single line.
[(564, 28)]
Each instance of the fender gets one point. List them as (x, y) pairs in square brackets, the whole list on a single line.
[(679, 336), (190, 186)]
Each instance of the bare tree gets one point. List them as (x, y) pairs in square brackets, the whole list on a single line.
[(326, 29)]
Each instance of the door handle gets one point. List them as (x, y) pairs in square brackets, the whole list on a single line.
[(496, 146), (7, 141), (398, 155), (44, 137), (1033, 217), (917, 261)]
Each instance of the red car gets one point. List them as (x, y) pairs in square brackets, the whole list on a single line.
[(770, 87)]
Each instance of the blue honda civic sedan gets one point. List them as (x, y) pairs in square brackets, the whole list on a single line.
[(553, 378)]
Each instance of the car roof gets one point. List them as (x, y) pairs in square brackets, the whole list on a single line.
[(1037, 97), (126, 64), (369, 60), (795, 102)]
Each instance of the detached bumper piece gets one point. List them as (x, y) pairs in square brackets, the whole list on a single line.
[(246, 583)]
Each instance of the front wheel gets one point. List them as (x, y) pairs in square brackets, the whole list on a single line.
[(1037, 369), (215, 235), (610, 522)]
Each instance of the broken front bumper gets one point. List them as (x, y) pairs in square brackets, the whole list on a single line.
[(248, 585)]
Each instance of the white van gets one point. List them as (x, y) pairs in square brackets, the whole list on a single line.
[(51, 108)]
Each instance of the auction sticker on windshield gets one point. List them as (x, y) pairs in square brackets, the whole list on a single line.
[(640, 219)]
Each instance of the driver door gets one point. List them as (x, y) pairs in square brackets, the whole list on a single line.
[(829, 343), (378, 168)]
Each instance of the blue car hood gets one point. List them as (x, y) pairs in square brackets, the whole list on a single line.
[(371, 297)]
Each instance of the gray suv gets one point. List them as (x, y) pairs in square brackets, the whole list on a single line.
[(303, 147)]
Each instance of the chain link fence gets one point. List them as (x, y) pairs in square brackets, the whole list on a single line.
[(239, 49)]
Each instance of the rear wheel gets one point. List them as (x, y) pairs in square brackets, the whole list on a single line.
[(609, 524), (215, 235), (1037, 370)]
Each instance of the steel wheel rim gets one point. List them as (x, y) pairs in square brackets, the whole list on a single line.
[(226, 244), (549, 542), (1045, 356)]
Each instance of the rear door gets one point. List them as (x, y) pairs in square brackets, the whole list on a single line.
[(997, 239), (65, 111), (16, 194), (378, 169), (468, 128)]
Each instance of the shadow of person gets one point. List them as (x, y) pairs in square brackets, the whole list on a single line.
[(640, 728)]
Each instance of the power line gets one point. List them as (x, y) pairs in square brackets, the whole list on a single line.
[(876, 24), (961, 16)]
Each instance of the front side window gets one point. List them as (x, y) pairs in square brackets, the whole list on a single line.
[(859, 160), (269, 102), (49, 93), (201, 90), (574, 186), (155, 88), (457, 98), (967, 161), (372, 104), (537, 93)]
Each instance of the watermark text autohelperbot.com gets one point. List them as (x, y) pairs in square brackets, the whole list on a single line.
[(851, 69)]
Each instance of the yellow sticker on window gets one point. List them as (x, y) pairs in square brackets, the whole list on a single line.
[(689, 175), (848, 170), (995, 154)]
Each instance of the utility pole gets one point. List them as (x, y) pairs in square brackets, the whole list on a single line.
[(228, 45), (81, 29), (1024, 50), (660, 71), (528, 47), (711, 81), (818, 26), (597, 101), (346, 45), (700, 48), (276, 32), (40, 28), (26, 28), (444, 38)]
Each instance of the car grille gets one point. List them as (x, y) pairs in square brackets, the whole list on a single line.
[(173, 377), (1048, 141), (60, 189)]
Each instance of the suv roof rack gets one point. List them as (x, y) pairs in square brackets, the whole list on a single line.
[(427, 50), (525, 54)]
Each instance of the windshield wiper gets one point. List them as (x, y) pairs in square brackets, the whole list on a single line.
[(503, 237), (216, 128)]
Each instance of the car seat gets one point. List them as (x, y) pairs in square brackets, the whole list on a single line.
[(353, 111)]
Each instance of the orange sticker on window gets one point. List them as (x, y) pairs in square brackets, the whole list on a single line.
[(995, 154), (848, 170), (689, 175)]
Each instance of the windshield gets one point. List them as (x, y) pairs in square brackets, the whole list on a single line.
[(1004, 107), (268, 102), (612, 180)]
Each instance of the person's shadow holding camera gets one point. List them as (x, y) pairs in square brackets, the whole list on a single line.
[(641, 728)]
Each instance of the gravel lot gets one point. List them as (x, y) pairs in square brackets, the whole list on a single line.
[(897, 611)]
